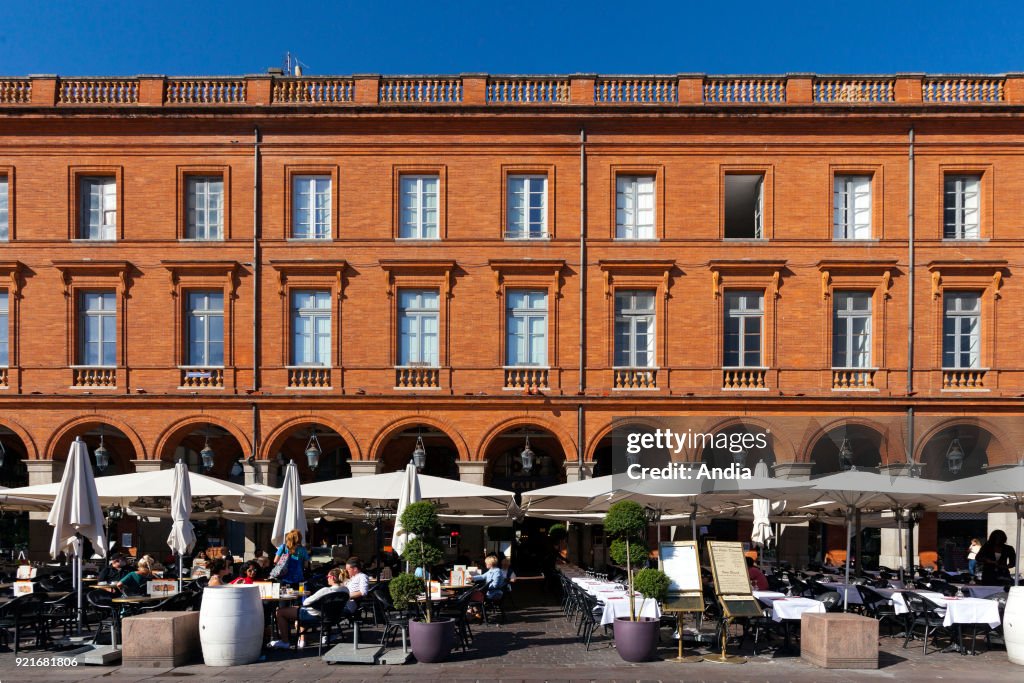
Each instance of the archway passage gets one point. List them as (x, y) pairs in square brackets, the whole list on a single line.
[(610, 455), (13, 473), (441, 453), (526, 542), (845, 447), (105, 438), (958, 451)]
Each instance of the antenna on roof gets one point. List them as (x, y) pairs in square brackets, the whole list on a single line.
[(292, 65)]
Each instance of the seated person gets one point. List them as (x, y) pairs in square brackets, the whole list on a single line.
[(493, 579), (135, 583), (264, 563), (358, 583), (306, 614), (757, 577), (219, 571), (249, 573), (508, 572), (114, 571)]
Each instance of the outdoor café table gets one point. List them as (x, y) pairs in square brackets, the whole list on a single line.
[(970, 611), (979, 591), (849, 591), (618, 606), (270, 604), (787, 610)]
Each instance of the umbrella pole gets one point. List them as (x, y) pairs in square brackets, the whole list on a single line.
[(846, 591), (1020, 514), (181, 568), (899, 539), (78, 578)]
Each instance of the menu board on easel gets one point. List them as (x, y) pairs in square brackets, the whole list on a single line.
[(732, 581), (681, 563)]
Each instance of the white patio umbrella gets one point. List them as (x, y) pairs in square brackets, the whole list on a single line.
[(290, 512), (762, 531), (1008, 485), (76, 514), (857, 490), (347, 497), (410, 494), (183, 536)]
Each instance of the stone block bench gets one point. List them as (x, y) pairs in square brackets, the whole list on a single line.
[(839, 641), (161, 639)]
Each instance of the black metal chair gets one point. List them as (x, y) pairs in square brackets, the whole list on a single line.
[(100, 601), (878, 607), (832, 600), (923, 613), (396, 620), (23, 613), (456, 610), (61, 612), (332, 614)]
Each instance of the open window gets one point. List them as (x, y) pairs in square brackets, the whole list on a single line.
[(744, 206)]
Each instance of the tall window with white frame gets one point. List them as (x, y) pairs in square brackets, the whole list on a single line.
[(205, 329), (526, 327), (311, 328), (204, 208), (961, 330), (5, 213), (97, 212), (527, 207), (4, 330), (634, 207), (961, 207), (744, 318), (418, 210), (634, 328), (851, 207), (311, 207), (851, 330), (418, 325), (97, 344)]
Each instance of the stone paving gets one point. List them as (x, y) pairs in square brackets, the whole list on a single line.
[(537, 644)]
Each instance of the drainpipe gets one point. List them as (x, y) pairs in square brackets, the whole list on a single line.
[(583, 302), (256, 205), (910, 296)]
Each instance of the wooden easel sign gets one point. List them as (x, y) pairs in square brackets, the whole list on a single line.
[(732, 587)]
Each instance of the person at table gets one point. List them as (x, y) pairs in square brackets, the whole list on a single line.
[(972, 555), (357, 583), (306, 614), (996, 558), (757, 577), (298, 558), (493, 579), (219, 571), (114, 571), (135, 583), (250, 573)]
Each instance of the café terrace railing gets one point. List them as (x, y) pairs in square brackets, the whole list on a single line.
[(512, 91)]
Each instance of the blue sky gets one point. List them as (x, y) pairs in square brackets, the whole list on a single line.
[(523, 36)]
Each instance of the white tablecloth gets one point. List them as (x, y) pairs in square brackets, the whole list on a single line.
[(901, 606), (792, 608), (618, 606), (971, 611), (850, 591), (768, 597)]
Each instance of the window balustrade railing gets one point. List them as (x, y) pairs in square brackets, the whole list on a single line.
[(853, 378), (91, 377), (201, 377), (526, 377), (309, 377), (4, 381), (744, 378), (963, 379), (15, 91), (634, 378), (417, 377)]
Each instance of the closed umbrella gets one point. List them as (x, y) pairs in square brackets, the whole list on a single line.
[(76, 514), (410, 494), (183, 536), (290, 513), (762, 531)]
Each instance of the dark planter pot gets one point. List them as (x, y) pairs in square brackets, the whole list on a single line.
[(432, 642), (636, 641)]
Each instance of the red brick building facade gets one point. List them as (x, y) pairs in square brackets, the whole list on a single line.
[(523, 212)]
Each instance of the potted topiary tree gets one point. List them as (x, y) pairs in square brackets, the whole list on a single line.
[(431, 639), (636, 637)]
